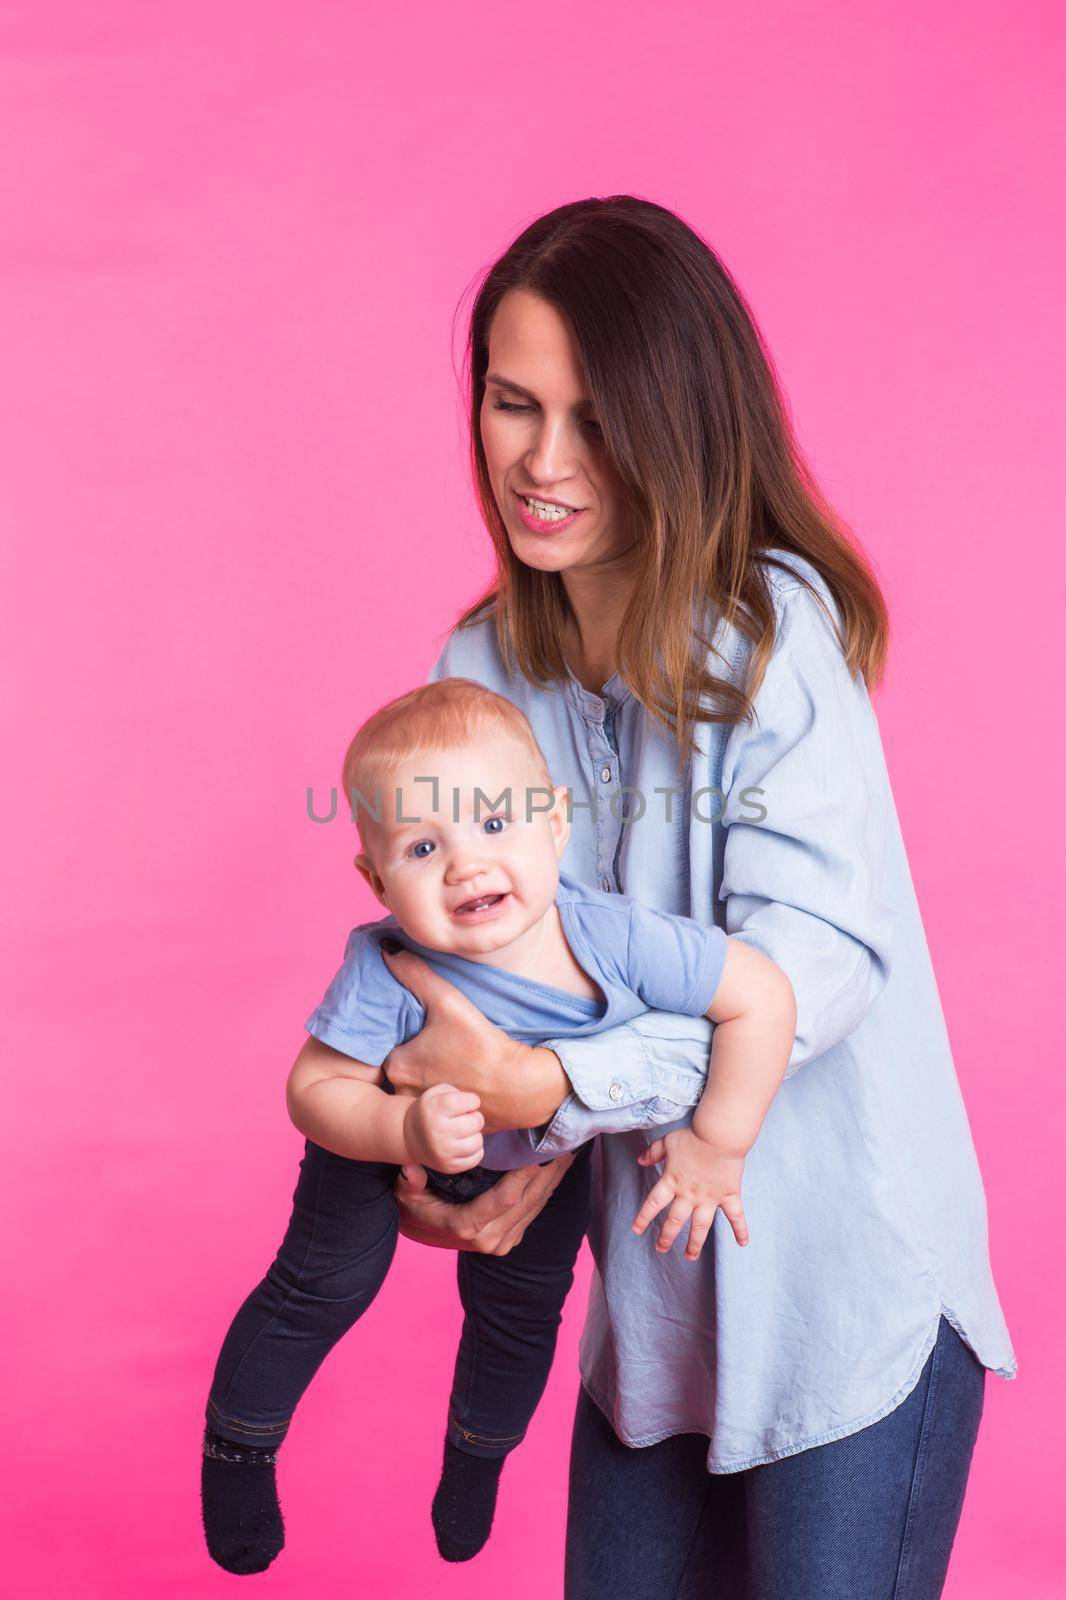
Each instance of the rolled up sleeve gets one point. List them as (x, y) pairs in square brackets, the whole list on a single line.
[(806, 808), (645, 1073)]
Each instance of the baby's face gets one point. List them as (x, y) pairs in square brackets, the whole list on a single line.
[(501, 846)]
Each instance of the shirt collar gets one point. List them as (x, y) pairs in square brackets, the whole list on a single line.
[(613, 694)]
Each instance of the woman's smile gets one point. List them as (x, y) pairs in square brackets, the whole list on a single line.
[(543, 517)]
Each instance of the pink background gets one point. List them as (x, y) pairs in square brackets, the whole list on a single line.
[(236, 517)]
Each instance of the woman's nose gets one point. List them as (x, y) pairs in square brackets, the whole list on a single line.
[(552, 454)]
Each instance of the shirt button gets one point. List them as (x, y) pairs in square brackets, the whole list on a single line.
[(616, 1091), (607, 885), (606, 774)]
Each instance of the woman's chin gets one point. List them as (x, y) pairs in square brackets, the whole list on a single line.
[(542, 555)]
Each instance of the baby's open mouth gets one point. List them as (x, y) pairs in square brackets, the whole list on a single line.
[(482, 903)]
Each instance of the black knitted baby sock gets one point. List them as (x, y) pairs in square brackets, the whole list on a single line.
[(239, 1498), (464, 1503)]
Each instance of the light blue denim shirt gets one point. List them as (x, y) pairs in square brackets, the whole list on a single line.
[(862, 1192)]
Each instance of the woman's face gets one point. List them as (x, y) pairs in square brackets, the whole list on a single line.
[(542, 438)]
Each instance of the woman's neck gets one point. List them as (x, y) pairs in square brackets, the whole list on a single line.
[(591, 670), (598, 602)]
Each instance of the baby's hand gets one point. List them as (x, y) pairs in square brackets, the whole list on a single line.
[(697, 1179), (442, 1129)]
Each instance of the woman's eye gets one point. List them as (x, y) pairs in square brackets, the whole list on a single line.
[(416, 849), (508, 405), (490, 824)]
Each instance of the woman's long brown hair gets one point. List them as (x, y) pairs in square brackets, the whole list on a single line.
[(694, 422)]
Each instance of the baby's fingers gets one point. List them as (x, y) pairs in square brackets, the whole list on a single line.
[(660, 1196), (468, 1154), (737, 1220), (457, 1102), (676, 1218), (464, 1146), (699, 1228), (655, 1153), (465, 1126)]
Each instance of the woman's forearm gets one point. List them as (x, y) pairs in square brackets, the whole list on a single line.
[(638, 1074), (526, 1096), (518, 1085)]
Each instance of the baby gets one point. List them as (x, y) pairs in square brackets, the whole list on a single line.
[(462, 832)]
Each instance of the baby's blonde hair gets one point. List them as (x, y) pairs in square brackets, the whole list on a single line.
[(435, 716)]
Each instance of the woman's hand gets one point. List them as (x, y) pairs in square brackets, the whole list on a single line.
[(492, 1223), (517, 1085)]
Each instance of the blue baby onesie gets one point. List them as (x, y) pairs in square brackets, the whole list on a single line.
[(642, 959)]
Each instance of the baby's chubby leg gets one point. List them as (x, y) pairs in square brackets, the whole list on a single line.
[(332, 1261)]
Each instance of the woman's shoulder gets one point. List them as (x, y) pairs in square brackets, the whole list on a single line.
[(790, 578), (787, 571), (473, 651), (805, 611)]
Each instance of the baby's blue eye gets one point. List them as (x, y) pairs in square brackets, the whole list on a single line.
[(501, 820), (415, 848)]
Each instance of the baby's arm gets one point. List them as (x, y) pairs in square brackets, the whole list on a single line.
[(754, 1010), (338, 1103)]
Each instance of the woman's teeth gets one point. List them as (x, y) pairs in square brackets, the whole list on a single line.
[(546, 512)]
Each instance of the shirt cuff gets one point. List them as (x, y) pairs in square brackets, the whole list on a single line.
[(621, 1080)]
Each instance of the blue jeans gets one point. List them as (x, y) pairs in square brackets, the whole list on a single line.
[(332, 1261), (871, 1516)]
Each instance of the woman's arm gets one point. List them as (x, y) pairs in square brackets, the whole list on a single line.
[(801, 882), (518, 1085), (804, 883), (641, 1074)]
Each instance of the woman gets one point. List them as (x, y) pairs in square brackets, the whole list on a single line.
[(696, 635)]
